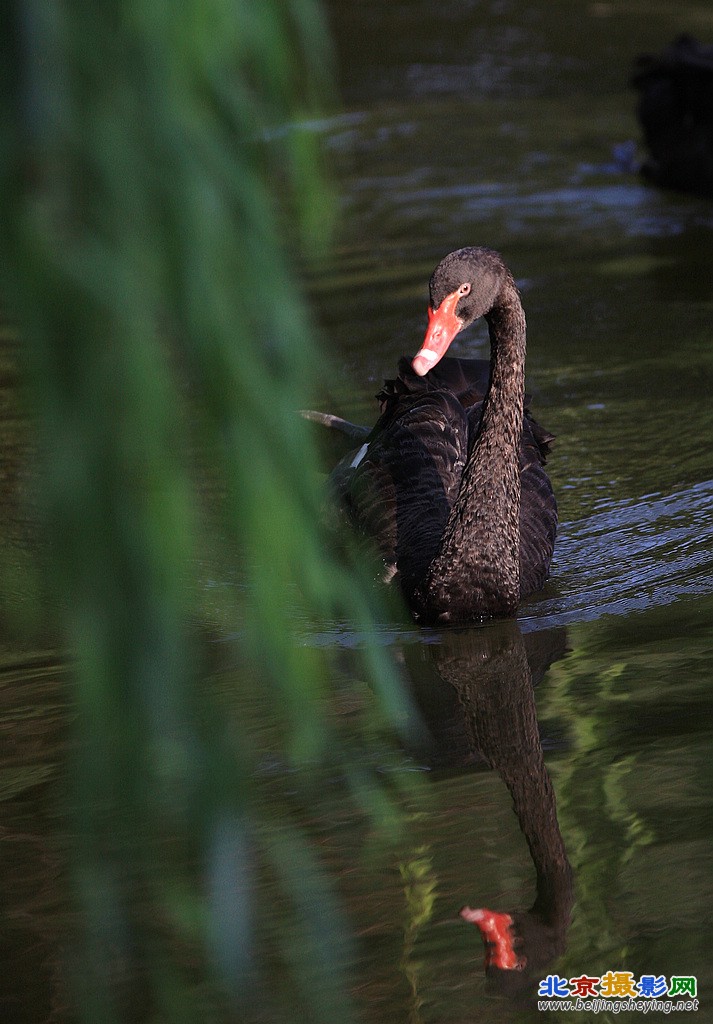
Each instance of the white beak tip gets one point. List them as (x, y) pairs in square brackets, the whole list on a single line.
[(424, 359)]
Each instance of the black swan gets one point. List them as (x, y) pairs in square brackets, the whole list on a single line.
[(676, 113), (453, 488)]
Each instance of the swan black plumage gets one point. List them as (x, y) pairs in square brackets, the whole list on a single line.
[(450, 482)]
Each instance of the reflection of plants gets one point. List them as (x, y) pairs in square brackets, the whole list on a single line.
[(601, 831), (420, 884), (637, 833)]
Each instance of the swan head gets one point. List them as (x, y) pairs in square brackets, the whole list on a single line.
[(464, 286)]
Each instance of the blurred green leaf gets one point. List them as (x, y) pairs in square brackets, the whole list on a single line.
[(158, 175)]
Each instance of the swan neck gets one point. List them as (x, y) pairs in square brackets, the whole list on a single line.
[(503, 407), (477, 568)]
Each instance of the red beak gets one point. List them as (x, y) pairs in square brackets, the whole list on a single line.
[(443, 325), (496, 929)]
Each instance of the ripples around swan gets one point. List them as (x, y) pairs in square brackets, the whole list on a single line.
[(629, 556)]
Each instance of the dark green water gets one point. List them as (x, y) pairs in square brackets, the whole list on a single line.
[(470, 123)]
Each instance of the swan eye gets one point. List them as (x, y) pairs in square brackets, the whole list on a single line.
[(464, 288)]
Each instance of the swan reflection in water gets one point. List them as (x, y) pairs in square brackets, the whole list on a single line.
[(475, 691)]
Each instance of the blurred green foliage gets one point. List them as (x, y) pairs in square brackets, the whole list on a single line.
[(151, 155)]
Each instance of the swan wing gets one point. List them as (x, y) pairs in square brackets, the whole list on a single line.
[(400, 487), (538, 508)]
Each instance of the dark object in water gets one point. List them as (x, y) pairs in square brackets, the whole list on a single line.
[(676, 113)]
